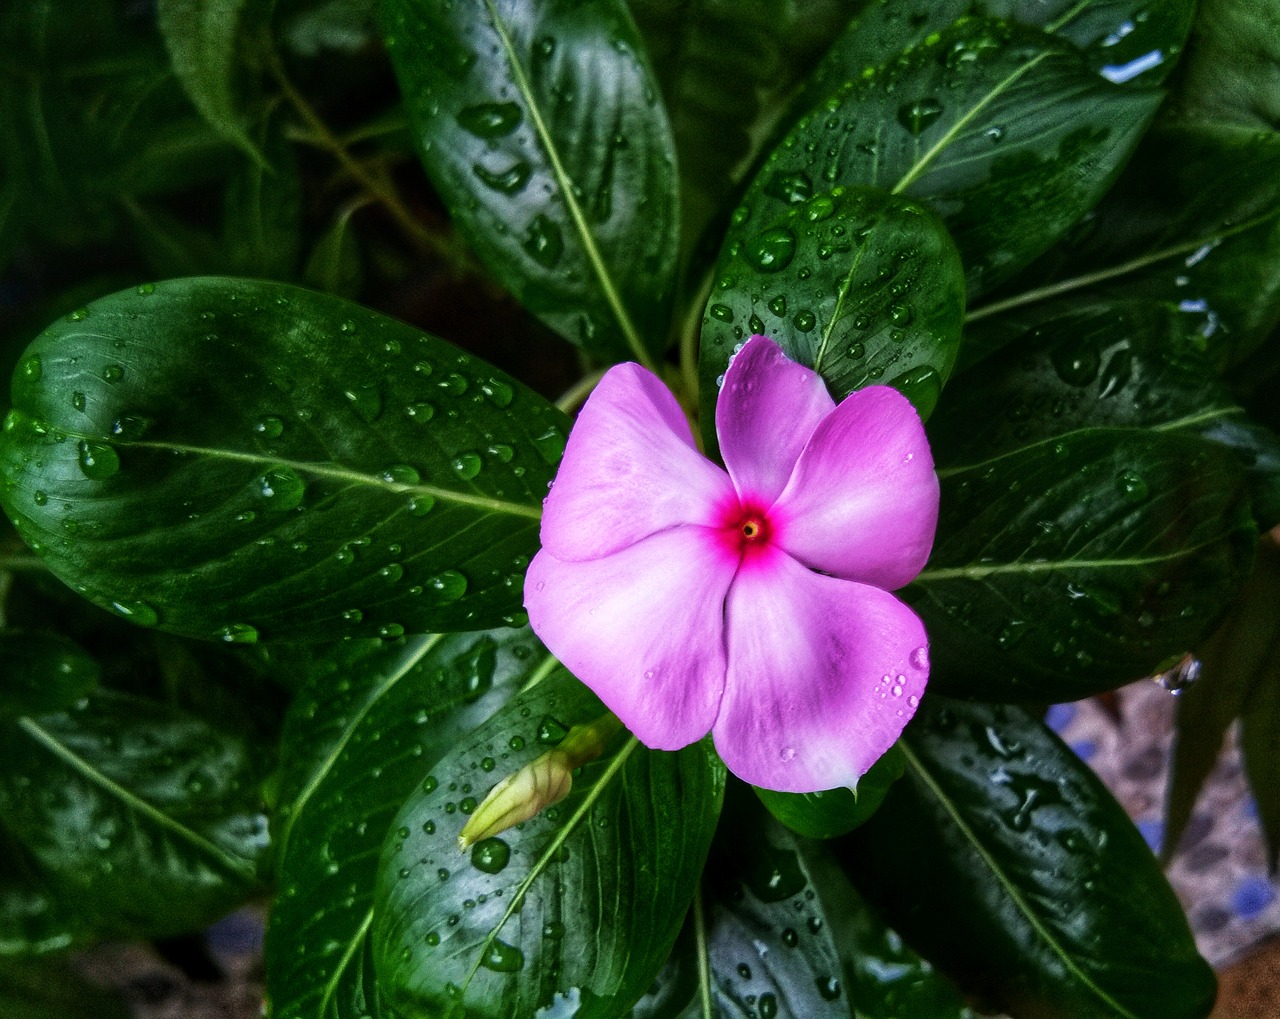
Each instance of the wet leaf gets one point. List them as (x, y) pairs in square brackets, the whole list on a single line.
[(824, 815), (1231, 71), (241, 460), (1005, 132), (863, 287), (40, 673), (148, 817), (1005, 861), (360, 738), (541, 126), (575, 909)]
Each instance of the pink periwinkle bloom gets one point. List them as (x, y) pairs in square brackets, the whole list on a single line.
[(753, 601)]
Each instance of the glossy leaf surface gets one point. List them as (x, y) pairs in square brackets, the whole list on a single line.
[(359, 740), (233, 459), (863, 287), (576, 908), (149, 816), (1193, 222), (40, 673), (541, 126), (1003, 131), (824, 815), (1005, 860), (1232, 68)]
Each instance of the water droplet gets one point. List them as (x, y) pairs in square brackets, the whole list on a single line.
[(921, 385), (919, 658), (32, 368), (543, 241), (79, 315), (828, 987), (772, 250), (490, 855), (282, 488), (502, 958), (390, 631), (790, 938), (136, 612), (856, 351), (113, 373), (401, 474), (778, 305), (498, 392), (466, 465), (78, 401), (238, 633), (1132, 486), (391, 573), (420, 505), (130, 427), (551, 732), (768, 1006), (918, 115), (449, 585), (146, 288), (805, 321), (791, 188), (788, 754), (509, 181), (1181, 676), (721, 312), (269, 427), (1076, 364), (453, 384), (490, 120), (352, 616), (900, 314), (98, 460), (501, 452), (553, 929), (550, 445), (40, 498), (367, 400)]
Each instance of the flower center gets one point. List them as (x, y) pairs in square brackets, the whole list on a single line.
[(752, 529)]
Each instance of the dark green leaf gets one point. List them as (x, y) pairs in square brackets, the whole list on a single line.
[(1231, 71), (310, 27), (262, 219), (861, 286), (1078, 562), (1005, 132), (335, 264), (541, 126), (202, 39), (1238, 665), (1004, 860), (577, 907), (726, 67), (836, 811), (52, 989), (359, 739), (1123, 40), (38, 914), (41, 672), (230, 458), (1259, 737), (147, 815), (1193, 222)]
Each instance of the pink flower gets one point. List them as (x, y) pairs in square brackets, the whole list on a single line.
[(752, 603)]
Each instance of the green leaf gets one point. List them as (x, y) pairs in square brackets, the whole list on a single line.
[(335, 264), (1238, 665), (1193, 222), (784, 933), (577, 907), (53, 989), (202, 39), (824, 815), (1004, 860), (1005, 132), (42, 672), (1259, 733), (1231, 71), (1123, 40), (37, 913), (262, 218), (357, 742), (1078, 562), (861, 286), (146, 814), (540, 125), (232, 459), (726, 68)]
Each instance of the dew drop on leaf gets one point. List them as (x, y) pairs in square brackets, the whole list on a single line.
[(498, 392), (466, 465), (269, 427), (98, 460), (918, 115), (543, 241), (238, 633), (490, 120), (502, 958), (136, 612), (401, 474), (771, 251), (449, 585)]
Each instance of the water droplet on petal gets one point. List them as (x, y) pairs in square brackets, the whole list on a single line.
[(919, 658)]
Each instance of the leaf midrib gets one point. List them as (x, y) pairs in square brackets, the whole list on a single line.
[(133, 802), (565, 185), (1009, 888)]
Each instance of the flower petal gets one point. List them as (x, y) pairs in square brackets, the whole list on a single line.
[(768, 407), (823, 676), (862, 502), (643, 627), (630, 469)]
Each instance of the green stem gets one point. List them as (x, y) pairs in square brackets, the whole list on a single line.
[(576, 395)]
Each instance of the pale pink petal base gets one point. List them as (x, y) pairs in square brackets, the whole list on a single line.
[(768, 407), (823, 676), (630, 469), (862, 503), (643, 628)]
